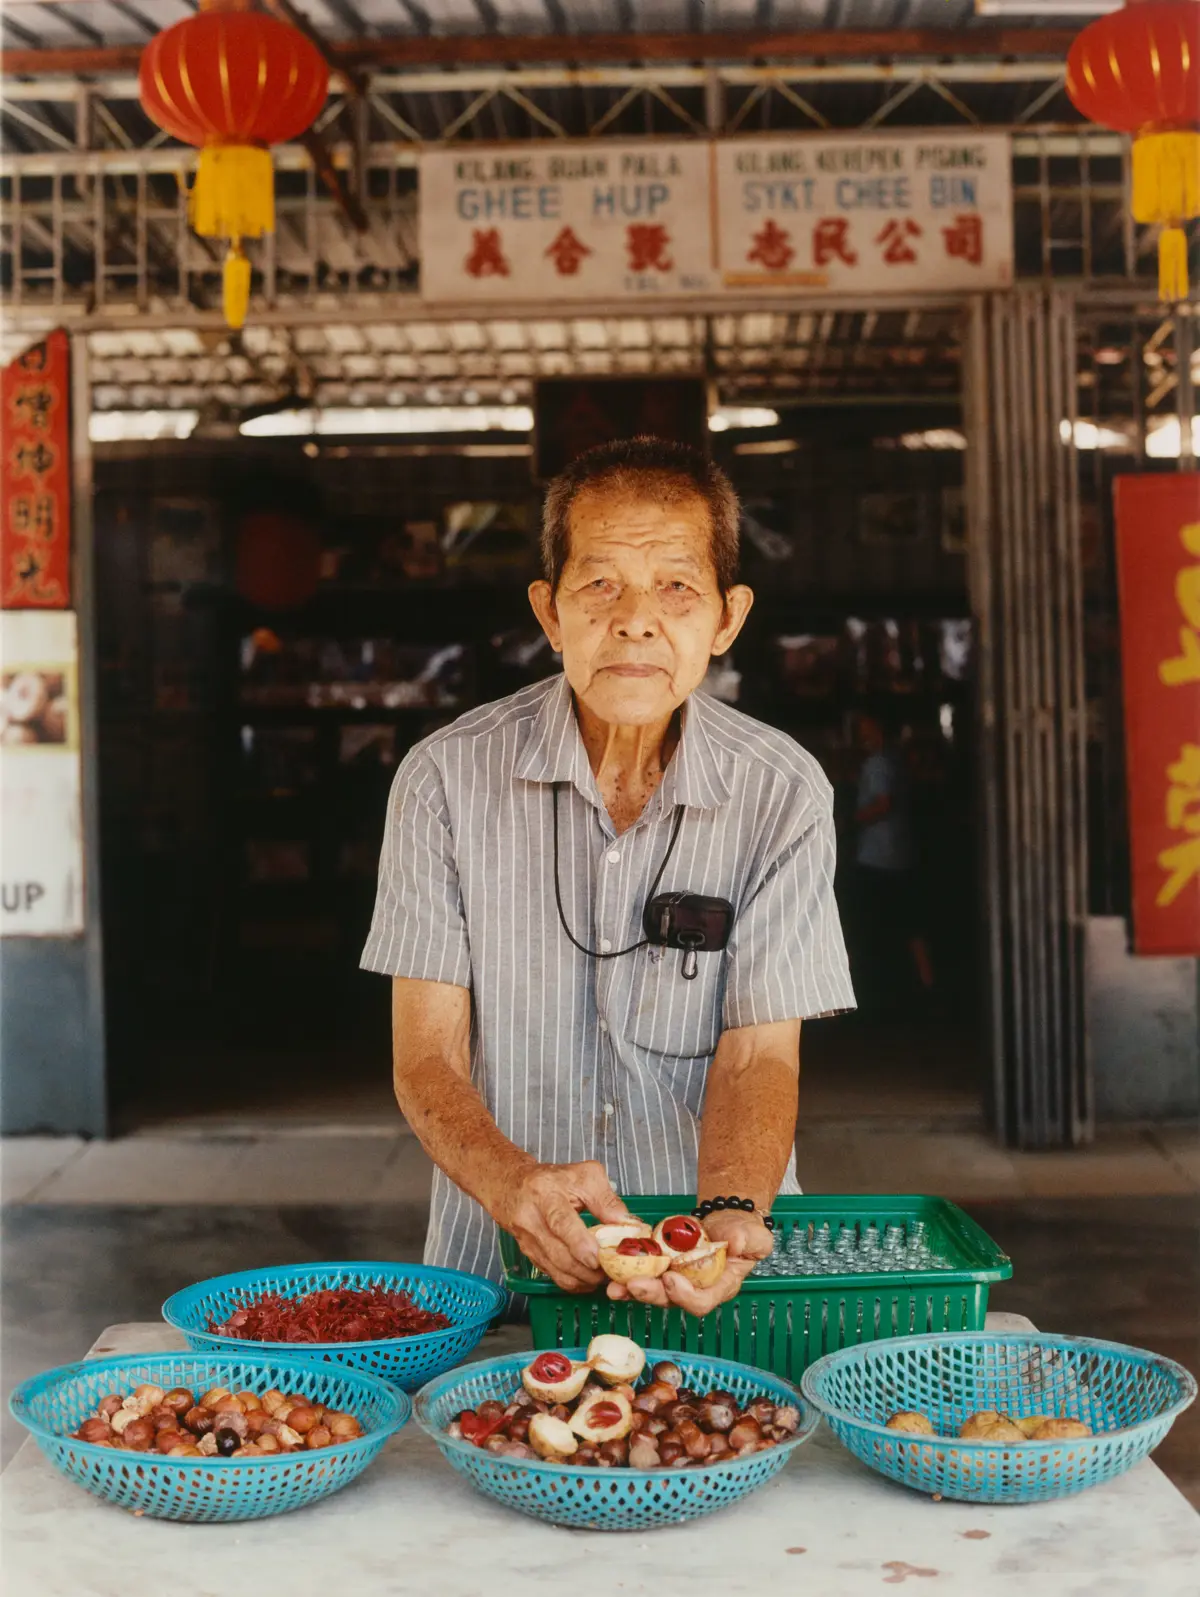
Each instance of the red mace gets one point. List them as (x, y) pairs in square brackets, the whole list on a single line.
[(232, 82), (1138, 71)]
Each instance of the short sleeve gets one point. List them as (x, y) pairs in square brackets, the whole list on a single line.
[(418, 928), (787, 957)]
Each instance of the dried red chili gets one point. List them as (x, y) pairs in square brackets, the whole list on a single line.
[(334, 1314)]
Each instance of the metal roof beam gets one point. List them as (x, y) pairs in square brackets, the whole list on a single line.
[(124, 87), (501, 49)]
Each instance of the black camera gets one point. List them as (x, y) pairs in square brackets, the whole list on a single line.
[(689, 921)]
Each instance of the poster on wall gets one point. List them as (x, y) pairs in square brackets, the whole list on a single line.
[(545, 222), (35, 501), (41, 824), (881, 214), (1158, 560)]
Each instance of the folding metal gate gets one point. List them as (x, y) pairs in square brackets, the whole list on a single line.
[(1026, 587)]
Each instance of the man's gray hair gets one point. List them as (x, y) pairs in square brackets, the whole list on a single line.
[(645, 468)]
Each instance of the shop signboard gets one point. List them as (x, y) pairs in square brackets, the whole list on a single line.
[(564, 221), (41, 827), (910, 214), (924, 212), (35, 505), (1158, 554)]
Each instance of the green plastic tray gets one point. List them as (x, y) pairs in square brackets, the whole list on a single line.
[(786, 1323)]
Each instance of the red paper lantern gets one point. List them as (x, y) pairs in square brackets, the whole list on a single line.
[(1138, 71), (233, 81)]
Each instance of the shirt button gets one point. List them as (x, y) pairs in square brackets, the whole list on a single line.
[(605, 945), (613, 857), (604, 1025), (609, 1110)]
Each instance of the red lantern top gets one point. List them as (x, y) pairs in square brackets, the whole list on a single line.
[(1139, 68), (232, 76)]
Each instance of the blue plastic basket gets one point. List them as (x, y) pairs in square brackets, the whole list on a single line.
[(206, 1490), (607, 1499), (468, 1301), (1129, 1399)]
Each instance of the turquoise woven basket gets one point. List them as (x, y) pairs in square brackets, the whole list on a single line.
[(1128, 1398), (607, 1499), (468, 1301), (205, 1491)]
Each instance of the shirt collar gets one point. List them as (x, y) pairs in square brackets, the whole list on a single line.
[(697, 776)]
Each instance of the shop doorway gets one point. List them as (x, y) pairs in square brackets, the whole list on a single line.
[(248, 738)]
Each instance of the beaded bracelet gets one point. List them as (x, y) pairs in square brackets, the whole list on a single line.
[(718, 1205)]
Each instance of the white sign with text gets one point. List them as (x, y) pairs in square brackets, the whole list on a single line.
[(883, 214), (41, 823), (546, 222)]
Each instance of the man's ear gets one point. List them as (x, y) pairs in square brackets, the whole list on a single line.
[(541, 597), (737, 607)]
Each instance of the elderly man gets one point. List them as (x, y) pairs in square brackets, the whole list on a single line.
[(548, 1051)]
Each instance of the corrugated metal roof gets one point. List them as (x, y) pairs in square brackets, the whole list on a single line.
[(72, 23)]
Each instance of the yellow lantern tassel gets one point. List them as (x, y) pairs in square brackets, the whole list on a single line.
[(236, 286), (1166, 189), (234, 192), (1172, 264)]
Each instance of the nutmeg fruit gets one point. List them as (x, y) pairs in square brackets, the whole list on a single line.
[(617, 1360), (911, 1423), (554, 1378)]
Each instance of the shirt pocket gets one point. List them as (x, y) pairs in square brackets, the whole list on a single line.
[(671, 1016)]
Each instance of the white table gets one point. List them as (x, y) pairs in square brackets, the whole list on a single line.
[(825, 1527)]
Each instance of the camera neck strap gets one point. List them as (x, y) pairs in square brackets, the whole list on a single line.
[(616, 953)]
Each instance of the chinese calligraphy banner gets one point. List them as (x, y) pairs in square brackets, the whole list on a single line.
[(35, 502), (566, 221), (923, 212), (1158, 557), (41, 826)]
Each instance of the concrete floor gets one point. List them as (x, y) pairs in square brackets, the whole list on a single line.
[(1104, 1241)]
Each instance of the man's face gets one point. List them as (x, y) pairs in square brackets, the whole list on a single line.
[(638, 614)]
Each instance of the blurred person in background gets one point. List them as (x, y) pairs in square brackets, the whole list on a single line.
[(887, 881)]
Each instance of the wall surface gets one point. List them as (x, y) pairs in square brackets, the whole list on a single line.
[(1144, 1024), (52, 1033), (51, 1055)]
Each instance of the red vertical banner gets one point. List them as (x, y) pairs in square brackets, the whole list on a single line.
[(35, 501), (1158, 560)]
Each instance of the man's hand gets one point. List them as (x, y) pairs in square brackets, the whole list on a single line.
[(747, 1241), (541, 1210)]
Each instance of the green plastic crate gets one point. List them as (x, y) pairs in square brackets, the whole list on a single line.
[(785, 1323)]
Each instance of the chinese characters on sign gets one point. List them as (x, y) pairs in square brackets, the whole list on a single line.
[(877, 214), (35, 518), (41, 862), (1158, 550), (884, 215), (546, 222), (926, 211)]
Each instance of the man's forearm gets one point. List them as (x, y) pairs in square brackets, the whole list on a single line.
[(749, 1123), (453, 1125), (431, 1073)]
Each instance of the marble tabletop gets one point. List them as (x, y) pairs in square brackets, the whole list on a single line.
[(825, 1526)]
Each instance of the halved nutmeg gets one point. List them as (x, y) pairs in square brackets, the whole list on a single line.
[(554, 1378), (604, 1418), (704, 1266), (612, 1233), (634, 1257), (680, 1234), (616, 1359), (551, 1438)]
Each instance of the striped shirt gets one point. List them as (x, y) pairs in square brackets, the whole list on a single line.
[(579, 1058)]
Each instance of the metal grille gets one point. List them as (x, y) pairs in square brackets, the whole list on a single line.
[(1027, 595), (106, 231)]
